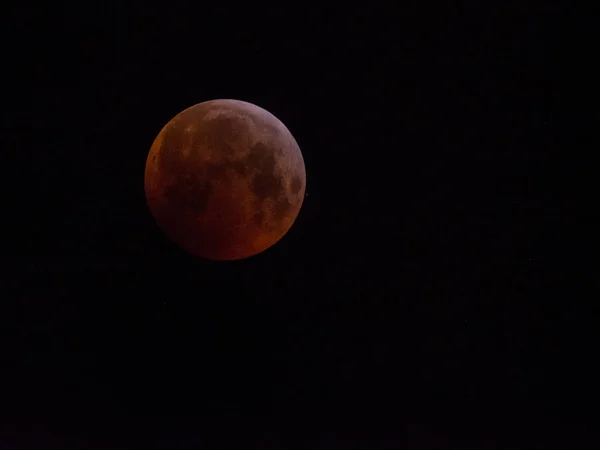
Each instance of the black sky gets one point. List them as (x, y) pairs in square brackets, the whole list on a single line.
[(414, 304)]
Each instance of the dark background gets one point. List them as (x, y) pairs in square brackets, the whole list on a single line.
[(418, 302)]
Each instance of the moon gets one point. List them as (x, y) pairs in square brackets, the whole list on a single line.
[(225, 179)]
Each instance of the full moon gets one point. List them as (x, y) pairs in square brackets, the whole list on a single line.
[(225, 179)]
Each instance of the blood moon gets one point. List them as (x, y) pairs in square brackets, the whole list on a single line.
[(225, 179)]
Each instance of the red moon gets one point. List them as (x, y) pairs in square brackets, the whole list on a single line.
[(225, 179)]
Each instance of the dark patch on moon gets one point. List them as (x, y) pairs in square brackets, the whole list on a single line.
[(193, 190), (282, 205), (259, 216), (280, 210), (266, 183), (240, 167), (296, 184), (261, 157), (188, 195), (216, 172)]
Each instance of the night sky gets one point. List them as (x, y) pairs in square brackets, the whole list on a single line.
[(414, 304)]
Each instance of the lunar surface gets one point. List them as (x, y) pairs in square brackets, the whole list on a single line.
[(225, 179)]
